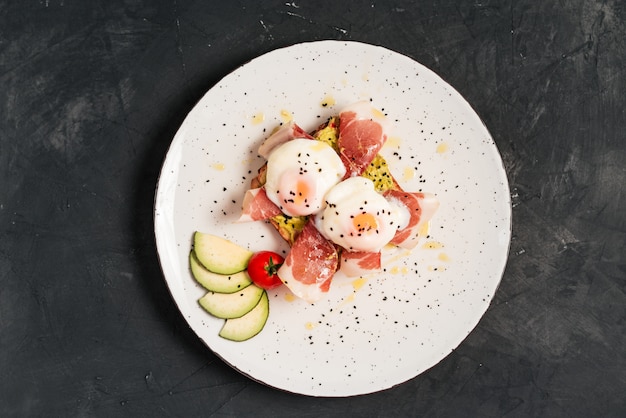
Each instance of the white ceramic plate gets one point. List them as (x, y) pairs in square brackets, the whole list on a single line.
[(370, 334)]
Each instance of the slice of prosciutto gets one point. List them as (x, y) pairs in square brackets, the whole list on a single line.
[(420, 207), (359, 263), (310, 265), (362, 133), (257, 206), (285, 133)]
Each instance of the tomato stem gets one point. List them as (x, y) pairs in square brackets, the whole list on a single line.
[(271, 268)]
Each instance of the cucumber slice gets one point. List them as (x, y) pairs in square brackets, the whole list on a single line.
[(219, 283), (231, 305), (220, 255), (249, 325)]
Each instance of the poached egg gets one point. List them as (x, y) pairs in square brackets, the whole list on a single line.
[(299, 174), (358, 218)]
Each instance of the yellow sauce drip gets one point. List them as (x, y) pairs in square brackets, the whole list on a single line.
[(441, 148), (397, 257), (443, 257), (408, 174), (425, 228), (358, 283), (289, 297), (398, 270), (258, 118), (392, 142), (310, 325), (377, 113), (436, 268), (286, 116), (328, 101), (432, 245), (218, 166)]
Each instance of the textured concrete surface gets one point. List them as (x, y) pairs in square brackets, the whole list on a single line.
[(92, 94)]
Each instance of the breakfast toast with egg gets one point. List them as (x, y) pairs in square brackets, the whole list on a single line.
[(331, 196), (378, 171)]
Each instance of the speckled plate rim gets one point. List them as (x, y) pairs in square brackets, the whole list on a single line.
[(173, 229)]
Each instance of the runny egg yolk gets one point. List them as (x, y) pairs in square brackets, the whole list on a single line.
[(296, 192), (302, 191), (365, 222)]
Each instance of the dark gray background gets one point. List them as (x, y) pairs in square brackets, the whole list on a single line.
[(92, 94)]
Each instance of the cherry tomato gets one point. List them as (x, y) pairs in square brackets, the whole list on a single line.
[(262, 269)]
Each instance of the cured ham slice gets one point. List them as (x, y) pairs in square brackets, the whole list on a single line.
[(362, 133), (257, 206), (310, 265), (282, 135), (420, 206), (359, 263)]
